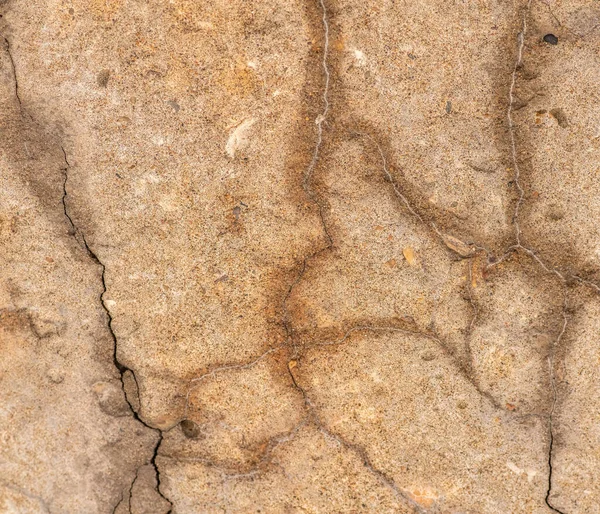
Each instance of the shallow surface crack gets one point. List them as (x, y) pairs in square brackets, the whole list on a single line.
[(357, 450), (307, 181), (14, 72), (529, 251)]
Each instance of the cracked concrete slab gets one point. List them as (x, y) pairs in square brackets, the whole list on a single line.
[(400, 398), (303, 256)]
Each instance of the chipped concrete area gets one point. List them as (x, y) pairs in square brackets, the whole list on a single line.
[(318, 256)]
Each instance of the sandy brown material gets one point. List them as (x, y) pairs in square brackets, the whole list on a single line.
[(299, 256)]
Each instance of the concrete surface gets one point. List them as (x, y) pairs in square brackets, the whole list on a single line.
[(322, 256)]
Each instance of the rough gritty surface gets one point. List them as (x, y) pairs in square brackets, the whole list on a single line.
[(322, 256)]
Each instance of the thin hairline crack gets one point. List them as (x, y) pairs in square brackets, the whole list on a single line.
[(313, 197), (521, 192)]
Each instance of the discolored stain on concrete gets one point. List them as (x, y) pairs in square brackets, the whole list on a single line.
[(305, 256)]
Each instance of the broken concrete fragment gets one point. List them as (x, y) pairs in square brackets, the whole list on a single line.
[(458, 246)]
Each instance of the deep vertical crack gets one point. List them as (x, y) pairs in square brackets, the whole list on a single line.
[(554, 400), (80, 238), (122, 369)]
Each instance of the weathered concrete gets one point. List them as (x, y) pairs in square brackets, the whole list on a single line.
[(299, 256)]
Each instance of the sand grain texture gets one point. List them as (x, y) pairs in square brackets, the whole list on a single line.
[(313, 256)]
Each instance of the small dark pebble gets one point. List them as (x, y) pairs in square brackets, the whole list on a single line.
[(103, 77), (174, 105), (551, 39), (190, 429), (448, 107)]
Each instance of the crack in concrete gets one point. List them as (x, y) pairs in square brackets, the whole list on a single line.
[(307, 186), (356, 449), (275, 442), (121, 368), (118, 504), (554, 400), (272, 444), (516, 180), (307, 180), (330, 243), (321, 117), (129, 491), (80, 238)]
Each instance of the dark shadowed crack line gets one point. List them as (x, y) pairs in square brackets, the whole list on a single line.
[(122, 369), (14, 72), (130, 493), (118, 504), (554, 400), (80, 238)]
